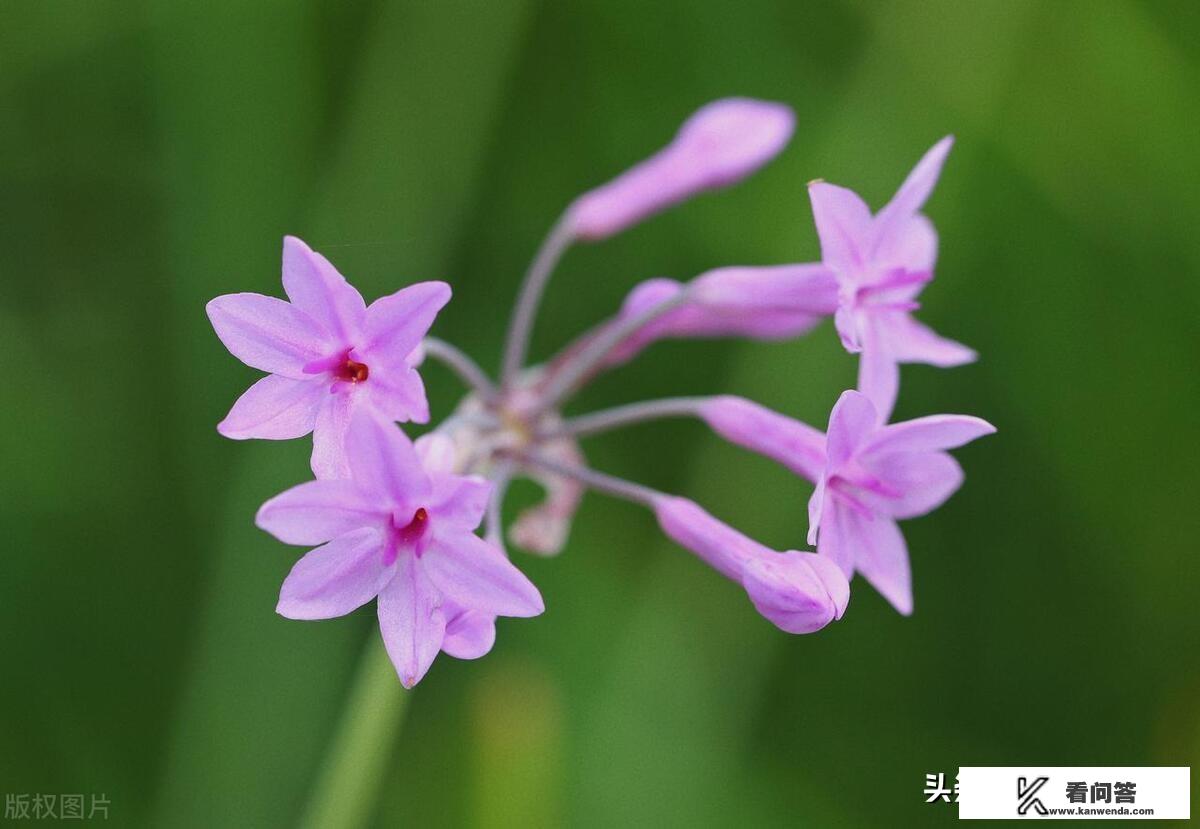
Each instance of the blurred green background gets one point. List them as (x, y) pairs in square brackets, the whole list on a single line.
[(153, 154)]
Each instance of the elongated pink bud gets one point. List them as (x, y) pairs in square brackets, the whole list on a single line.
[(722, 143), (797, 592), (775, 302)]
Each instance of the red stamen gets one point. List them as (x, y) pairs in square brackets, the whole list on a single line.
[(415, 529), (353, 372)]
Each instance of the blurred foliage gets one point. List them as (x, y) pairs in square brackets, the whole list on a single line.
[(153, 154)]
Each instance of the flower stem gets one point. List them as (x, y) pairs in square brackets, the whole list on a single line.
[(627, 415), (521, 327), (599, 481), (462, 365), (347, 788), (576, 369), (501, 478)]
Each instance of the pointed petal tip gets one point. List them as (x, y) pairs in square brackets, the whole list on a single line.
[(285, 609), (230, 433), (940, 149)]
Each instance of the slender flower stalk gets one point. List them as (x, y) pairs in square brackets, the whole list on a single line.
[(599, 481), (575, 370), (457, 361), (537, 277), (629, 415), (352, 773), (493, 520)]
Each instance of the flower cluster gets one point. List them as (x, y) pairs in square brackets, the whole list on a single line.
[(396, 521)]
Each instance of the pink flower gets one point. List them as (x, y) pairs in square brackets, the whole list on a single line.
[(327, 355), (882, 262), (722, 143), (401, 528), (797, 592), (763, 303), (876, 474)]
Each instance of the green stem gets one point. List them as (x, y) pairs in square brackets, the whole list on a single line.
[(351, 775)]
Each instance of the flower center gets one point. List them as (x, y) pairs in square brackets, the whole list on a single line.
[(414, 530), (412, 535), (890, 293), (352, 371)]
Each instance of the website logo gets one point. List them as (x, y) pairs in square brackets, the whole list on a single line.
[(1027, 795)]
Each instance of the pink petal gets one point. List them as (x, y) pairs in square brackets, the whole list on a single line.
[(411, 620), (335, 579), (910, 341), (275, 408), (315, 286), (395, 324), (816, 509), (926, 434), (848, 322), (720, 144), (477, 575), (382, 461), (912, 194), (836, 541), (469, 633), (797, 592), (851, 422), (881, 556), (796, 445), (912, 246), (399, 394), (924, 480), (879, 377), (329, 434), (843, 226), (267, 333), (317, 511), (436, 452), (460, 499)]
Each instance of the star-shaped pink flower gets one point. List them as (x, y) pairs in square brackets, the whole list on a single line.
[(327, 354), (882, 262), (401, 528), (874, 475)]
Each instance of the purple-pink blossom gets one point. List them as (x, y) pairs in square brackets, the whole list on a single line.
[(327, 355), (395, 521), (867, 476), (399, 529), (722, 143), (875, 475), (882, 263)]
